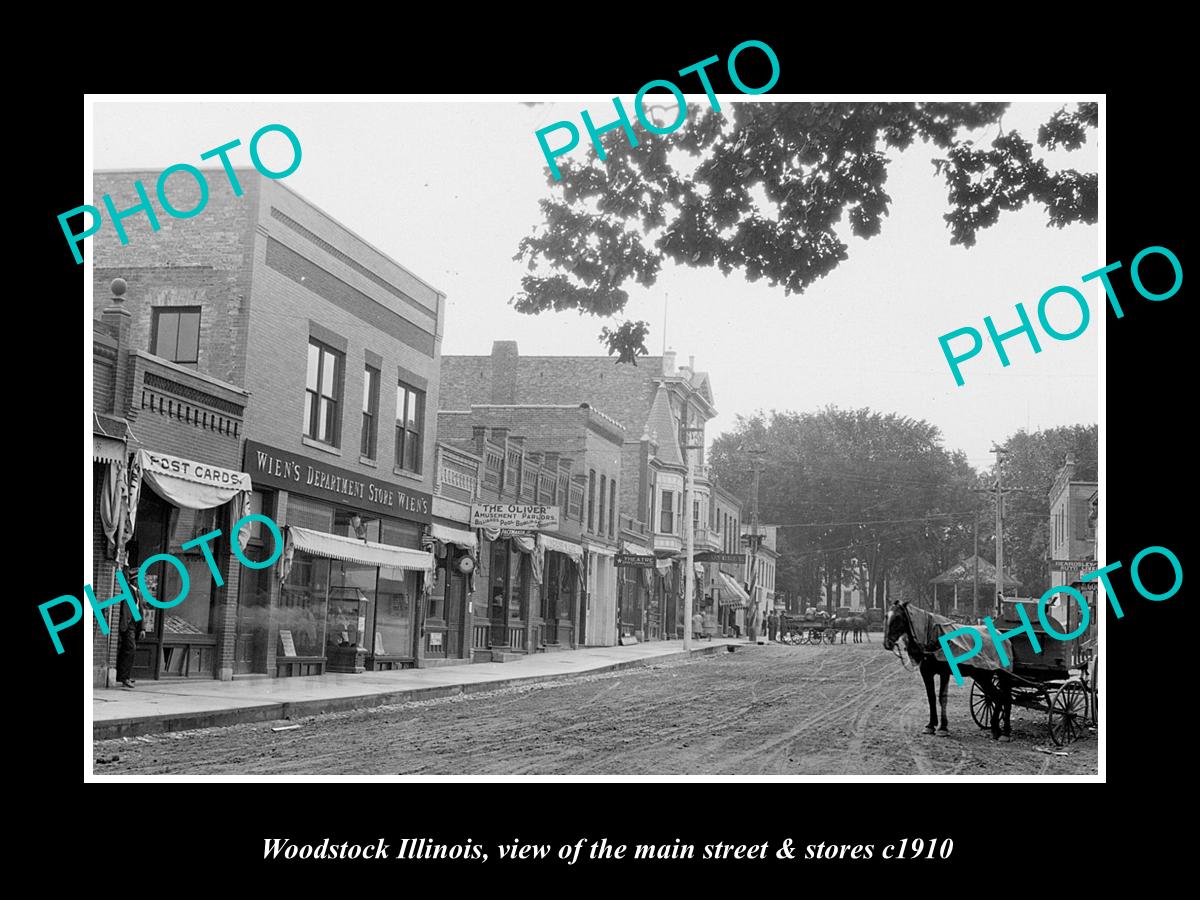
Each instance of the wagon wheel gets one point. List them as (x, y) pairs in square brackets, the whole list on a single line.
[(1068, 713), (814, 636), (981, 706), (829, 635)]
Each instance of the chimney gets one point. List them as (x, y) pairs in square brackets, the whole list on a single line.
[(479, 436), (668, 362), (504, 372), (691, 364), (1068, 469), (499, 435)]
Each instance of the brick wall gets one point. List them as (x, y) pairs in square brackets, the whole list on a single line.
[(202, 261)]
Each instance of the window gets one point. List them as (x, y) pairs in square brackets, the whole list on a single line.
[(370, 423), (603, 491), (177, 334), (667, 525), (322, 420), (591, 499), (410, 416), (696, 515), (612, 507)]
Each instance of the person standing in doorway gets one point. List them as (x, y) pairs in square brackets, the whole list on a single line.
[(772, 626), (130, 632)]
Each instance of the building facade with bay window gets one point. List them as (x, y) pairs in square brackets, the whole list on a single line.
[(302, 359)]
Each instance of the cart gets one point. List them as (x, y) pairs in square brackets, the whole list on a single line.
[(807, 630), (1061, 681)]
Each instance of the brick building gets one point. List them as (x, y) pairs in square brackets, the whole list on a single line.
[(262, 337), (652, 401), (556, 589)]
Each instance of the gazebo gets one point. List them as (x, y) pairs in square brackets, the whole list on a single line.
[(963, 572)]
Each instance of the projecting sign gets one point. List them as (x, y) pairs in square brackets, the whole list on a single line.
[(518, 516), (713, 557), (632, 560), (1074, 567)]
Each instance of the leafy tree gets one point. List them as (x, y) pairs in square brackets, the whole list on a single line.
[(865, 496), (693, 196), (1031, 464)]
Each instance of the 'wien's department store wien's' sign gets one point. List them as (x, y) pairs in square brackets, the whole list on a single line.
[(273, 467), (514, 516)]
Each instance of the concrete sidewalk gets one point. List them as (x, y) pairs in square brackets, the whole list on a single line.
[(155, 706)]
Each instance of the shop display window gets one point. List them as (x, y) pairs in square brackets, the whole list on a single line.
[(302, 605)]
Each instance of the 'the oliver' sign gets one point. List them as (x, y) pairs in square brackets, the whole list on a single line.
[(520, 516)]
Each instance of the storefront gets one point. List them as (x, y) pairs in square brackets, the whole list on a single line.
[(352, 588), (562, 568), (448, 620), (187, 500), (635, 590), (732, 602)]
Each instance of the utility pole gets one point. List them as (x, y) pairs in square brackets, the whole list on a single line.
[(975, 586), (689, 576), (999, 451), (756, 463)]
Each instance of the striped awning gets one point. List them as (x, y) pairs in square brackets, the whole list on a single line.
[(367, 553), (740, 598), (459, 537), (558, 545)]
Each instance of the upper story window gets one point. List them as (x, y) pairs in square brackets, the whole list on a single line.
[(370, 423), (177, 334), (410, 425), (612, 507), (591, 499), (667, 513), (323, 394), (603, 491)]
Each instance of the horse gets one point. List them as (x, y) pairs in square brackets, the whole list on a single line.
[(859, 624), (919, 629)]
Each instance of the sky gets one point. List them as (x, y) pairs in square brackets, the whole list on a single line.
[(449, 188)]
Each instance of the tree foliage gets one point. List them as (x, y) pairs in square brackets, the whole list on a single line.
[(762, 187), (870, 499)]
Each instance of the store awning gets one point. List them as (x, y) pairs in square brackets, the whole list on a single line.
[(190, 484), (459, 537), (574, 551), (602, 550), (367, 553), (635, 549), (740, 597), (107, 449)]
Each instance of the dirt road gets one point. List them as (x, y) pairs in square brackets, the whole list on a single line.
[(842, 709)]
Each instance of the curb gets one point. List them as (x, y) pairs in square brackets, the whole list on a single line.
[(266, 712)]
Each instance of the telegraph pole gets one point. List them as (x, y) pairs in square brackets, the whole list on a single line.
[(689, 576), (975, 586), (999, 451), (756, 464)]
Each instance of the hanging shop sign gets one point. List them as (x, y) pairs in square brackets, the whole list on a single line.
[(272, 467), (514, 516), (634, 561), (713, 557)]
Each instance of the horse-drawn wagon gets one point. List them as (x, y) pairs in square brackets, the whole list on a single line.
[(1060, 680), (1044, 681), (807, 629)]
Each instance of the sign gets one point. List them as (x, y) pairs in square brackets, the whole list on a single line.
[(714, 557), (200, 473), (516, 516), (435, 639), (633, 561), (272, 467), (1074, 567), (285, 638)]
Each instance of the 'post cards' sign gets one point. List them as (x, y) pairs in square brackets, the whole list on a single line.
[(514, 516)]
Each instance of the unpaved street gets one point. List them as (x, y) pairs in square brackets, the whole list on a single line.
[(842, 709)]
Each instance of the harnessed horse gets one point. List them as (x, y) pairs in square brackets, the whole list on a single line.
[(919, 629)]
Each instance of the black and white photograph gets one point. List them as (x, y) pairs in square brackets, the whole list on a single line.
[(733, 434)]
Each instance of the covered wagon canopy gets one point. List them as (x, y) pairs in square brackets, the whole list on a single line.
[(963, 572)]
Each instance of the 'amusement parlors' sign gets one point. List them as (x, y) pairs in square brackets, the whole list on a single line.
[(514, 516), (272, 467)]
